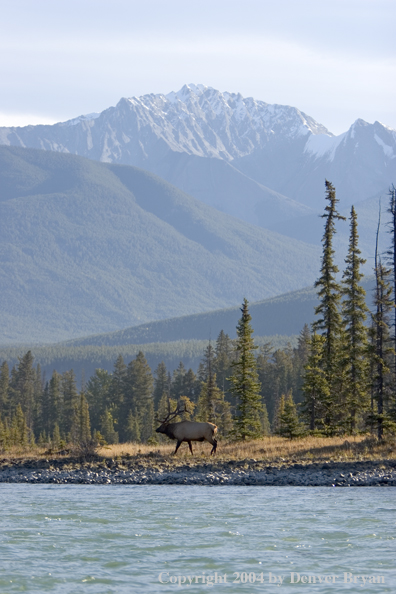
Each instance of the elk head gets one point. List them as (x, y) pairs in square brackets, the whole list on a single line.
[(169, 417)]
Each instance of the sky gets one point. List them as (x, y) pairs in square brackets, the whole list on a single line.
[(334, 60)]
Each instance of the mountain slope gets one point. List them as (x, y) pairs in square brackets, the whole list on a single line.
[(88, 247), (184, 136), (284, 315)]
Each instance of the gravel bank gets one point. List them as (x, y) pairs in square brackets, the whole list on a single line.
[(163, 472)]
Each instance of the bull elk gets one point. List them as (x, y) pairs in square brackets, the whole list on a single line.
[(187, 430)]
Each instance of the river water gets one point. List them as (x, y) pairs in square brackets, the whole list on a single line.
[(107, 539)]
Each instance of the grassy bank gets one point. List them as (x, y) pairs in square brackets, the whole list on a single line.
[(269, 450)]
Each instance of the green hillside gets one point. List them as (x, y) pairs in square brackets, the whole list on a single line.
[(88, 247), (284, 315), (85, 359), (278, 321)]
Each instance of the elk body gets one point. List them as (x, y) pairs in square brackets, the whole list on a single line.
[(188, 431)]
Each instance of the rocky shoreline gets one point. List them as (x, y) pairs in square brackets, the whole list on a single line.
[(164, 472)]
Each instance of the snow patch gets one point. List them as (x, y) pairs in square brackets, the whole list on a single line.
[(388, 150), (321, 145)]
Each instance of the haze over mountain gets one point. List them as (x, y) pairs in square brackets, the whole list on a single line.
[(277, 320), (89, 247), (263, 163)]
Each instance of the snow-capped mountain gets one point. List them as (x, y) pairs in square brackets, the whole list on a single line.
[(264, 163)]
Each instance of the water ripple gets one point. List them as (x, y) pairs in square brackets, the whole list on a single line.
[(71, 539)]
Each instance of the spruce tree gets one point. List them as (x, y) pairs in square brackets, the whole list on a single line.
[(278, 415), (354, 310), (107, 427), (138, 399), (161, 384), (132, 428), (391, 254), (83, 429), (4, 388), (212, 406), (70, 403), (191, 386), (244, 382), (290, 424), (178, 379), (222, 361), (54, 411), (265, 423), (300, 359), (117, 388), (381, 340), (98, 395), (265, 370), (56, 437), (19, 429), (315, 387), (329, 322), (23, 384), (4, 435)]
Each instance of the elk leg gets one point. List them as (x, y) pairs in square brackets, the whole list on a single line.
[(214, 442), (189, 445), (177, 447)]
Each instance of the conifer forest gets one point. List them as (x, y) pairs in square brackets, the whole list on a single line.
[(340, 379)]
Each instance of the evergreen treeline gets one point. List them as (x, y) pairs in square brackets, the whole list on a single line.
[(340, 378), (123, 405), (349, 380)]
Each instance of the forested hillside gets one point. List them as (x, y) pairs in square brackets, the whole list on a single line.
[(283, 316), (88, 247)]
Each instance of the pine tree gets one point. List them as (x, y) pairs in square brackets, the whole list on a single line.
[(19, 429), (138, 398), (98, 396), (222, 361), (70, 402), (4, 435), (213, 407), (265, 370), (83, 427), (117, 388), (265, 423), (278, 415), (56, 437), (328, 310), (191, 386), (381, 339), (161, 384), (54, 411), (290, 424), (177, 388), (300, 359), (107, 427), (23, 382), (147, 429), (315, 387), (244, 381), (132, 429), (38, 390), (391, 254), (354, 312), (4, 389)]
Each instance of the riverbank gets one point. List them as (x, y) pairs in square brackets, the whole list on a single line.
[(311, 461), (158, 471)]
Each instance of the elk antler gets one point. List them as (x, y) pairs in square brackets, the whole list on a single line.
[(172, 415)]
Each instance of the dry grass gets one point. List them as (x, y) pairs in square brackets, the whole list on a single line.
[(269, 449)]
